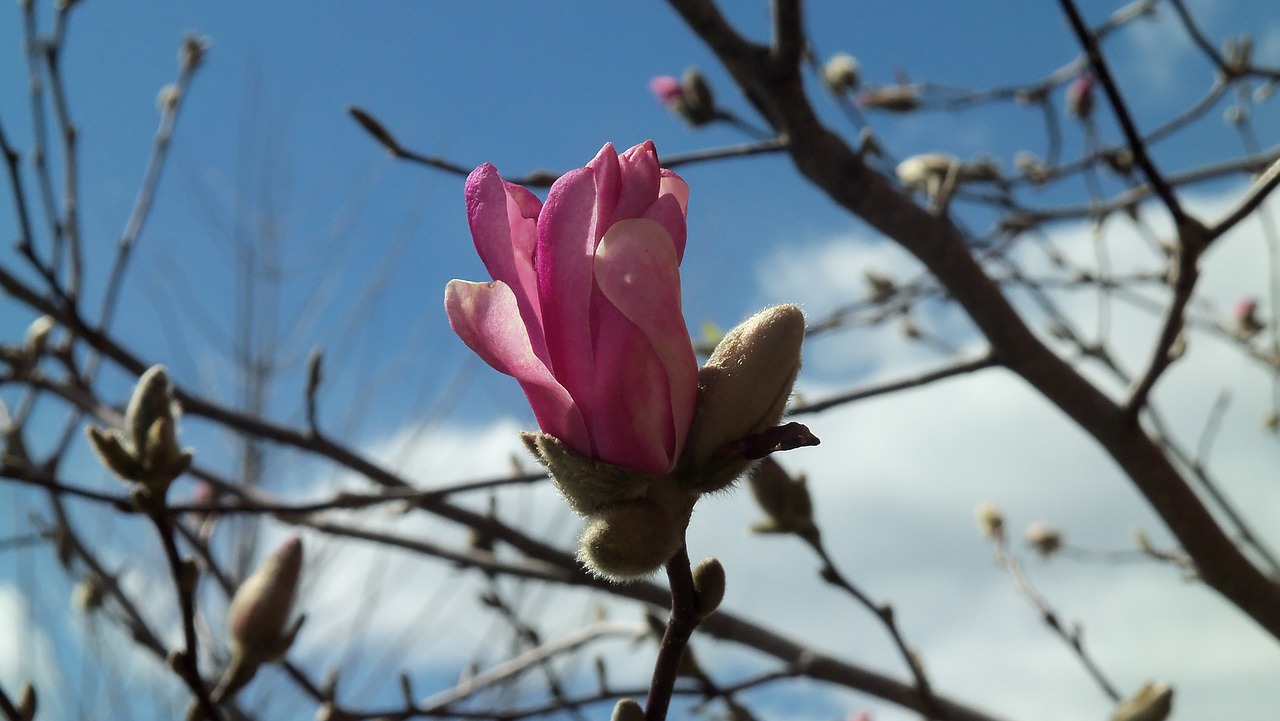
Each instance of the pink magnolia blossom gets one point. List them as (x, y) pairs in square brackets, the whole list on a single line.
[(584, 307)]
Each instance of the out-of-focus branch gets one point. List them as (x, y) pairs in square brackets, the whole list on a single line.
[(1136, 146)]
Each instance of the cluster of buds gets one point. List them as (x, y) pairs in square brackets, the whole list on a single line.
[(1152, 702), (841, 74), (145, 451), (689, 97)]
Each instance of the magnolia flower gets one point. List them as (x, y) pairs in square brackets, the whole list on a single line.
[(584, 308)]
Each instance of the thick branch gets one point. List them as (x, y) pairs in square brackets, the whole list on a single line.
[(830, 164)]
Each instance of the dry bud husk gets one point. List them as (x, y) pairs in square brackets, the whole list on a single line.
[(697, 104), (1152, 702), (785, 500)]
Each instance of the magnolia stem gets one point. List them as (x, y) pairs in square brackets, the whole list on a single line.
[(683, 620)]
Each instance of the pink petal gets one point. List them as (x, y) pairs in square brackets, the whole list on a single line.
[(568, 230), (640, 180), (503, 218), (630, 423), (668, 213), (486, 316), (637, 270)]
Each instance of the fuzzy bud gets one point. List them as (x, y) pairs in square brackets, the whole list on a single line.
[(627, 709), (1152, 702), (841, 73), (634, 538), (261, 606), (785, 500), (194, 48), (37, 336), (709, 581), (1043, 539), (742, 391), (698, 105), (1080, 96), (146, 450), (667, 90), (168, 98), (990, 521)]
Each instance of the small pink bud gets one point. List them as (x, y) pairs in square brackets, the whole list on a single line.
[(1043, 539), (1245, 315), (1080, 96), (260, 609), (667, 89)]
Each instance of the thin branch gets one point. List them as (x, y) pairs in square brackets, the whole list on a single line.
[(680, 626), (1103, 73), (1249, 202), (986, 361)]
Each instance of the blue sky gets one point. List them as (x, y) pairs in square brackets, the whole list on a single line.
[(264, 142)]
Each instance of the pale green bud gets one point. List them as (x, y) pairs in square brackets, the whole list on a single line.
[(709, 582), (742, 391), (990, 520), (635, 538), (146, 450), (1152, 702)]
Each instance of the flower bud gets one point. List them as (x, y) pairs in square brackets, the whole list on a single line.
[(990, 521), (634, 538), (1043, 539), (27, 702), (146, 450), (194, 48), (1152, 702), (627, 709), (893, 98), (841, 73), (1080, 96), (698, 105), (168, 97), (667, 90), (742, 390), (708, 581), (785, 500), (261, 606), (37, 336), (1245, 314)]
